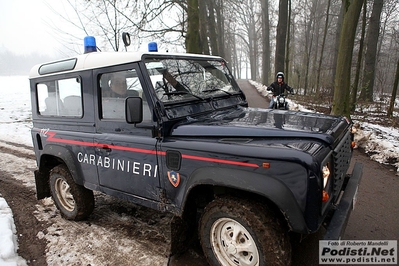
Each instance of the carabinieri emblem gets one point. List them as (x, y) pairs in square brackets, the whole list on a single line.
[(174, 178)]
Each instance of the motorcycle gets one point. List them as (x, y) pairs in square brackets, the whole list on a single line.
[(280, 102)]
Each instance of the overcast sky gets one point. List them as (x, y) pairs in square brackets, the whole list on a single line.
[(24, 26)]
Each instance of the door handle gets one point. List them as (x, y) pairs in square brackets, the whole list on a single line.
[(104, 148)]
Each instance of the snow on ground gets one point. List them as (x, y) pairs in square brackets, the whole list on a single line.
[(15, 110), (8, 243), (15, 121)]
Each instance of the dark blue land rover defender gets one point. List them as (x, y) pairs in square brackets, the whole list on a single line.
[(173, 132)]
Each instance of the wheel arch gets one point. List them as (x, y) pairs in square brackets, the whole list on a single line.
[(52, 156), (208, 183)]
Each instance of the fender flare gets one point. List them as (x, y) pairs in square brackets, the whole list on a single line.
[(275, 191), (65, 155)]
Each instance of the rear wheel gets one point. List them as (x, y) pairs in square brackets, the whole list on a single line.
[(75, 202), (240, 232)]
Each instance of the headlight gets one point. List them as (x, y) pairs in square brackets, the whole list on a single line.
[(326, 177), (281, 99)]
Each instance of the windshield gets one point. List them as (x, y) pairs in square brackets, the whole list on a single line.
[(189, 79)]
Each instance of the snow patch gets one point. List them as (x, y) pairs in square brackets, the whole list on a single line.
[(8, 243), (381, 143)]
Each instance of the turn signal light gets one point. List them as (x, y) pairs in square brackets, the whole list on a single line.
[(353, 144), (266, 165), (325, 196)]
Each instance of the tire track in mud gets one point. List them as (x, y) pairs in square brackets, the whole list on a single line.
[(19, 150), (117, 233), (22, 200)]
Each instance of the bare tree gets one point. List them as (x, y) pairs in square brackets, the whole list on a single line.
[(108, 19), (203, 26), (100, 18), (387, 51), (281, 35), (223, 47), (323, 46), (193, 43), (309, 35), (359, 60), (341, 104), (337, 40), (287, 48), (265, 41), (247, 19), (371, 52), (246, 33), (215, 26), (394, 92)]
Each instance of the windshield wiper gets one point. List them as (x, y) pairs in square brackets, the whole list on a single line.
[(216, 89), (182, 93)]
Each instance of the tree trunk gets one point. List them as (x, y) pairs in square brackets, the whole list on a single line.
[(252, 49), (359, 60), (341, 104), (265, 42), (371, 52), (220, 29), (394, 92), (287, 51), (337, 40), (308, 44), (322, 48), (193, 43), (213, 36), (281, 35), (204, 27)]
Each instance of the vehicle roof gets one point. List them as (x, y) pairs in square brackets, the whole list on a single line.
[(101, 59)]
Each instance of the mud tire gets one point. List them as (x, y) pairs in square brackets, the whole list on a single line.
[(75, 202), (254, 225)]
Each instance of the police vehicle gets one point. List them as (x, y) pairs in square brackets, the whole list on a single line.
[(173, 132)]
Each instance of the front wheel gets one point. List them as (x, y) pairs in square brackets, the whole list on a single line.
[(240, 232), (75, 202)]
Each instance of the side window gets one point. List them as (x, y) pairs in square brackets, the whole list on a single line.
[(115, 88), (61, 97)]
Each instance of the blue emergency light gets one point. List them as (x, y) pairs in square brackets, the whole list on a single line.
[(152, 47), (90, 44)]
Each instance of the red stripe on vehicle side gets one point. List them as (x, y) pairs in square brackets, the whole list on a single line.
[(197, 158), (51, 138)]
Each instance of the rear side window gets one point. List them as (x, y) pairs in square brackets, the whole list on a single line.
[(62, 97)]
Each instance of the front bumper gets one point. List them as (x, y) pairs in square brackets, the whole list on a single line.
[(339, 219)]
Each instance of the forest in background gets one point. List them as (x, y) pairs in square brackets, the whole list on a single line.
[(259, 38)]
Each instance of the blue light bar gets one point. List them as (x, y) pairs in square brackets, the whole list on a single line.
[(90, 44), (152, 47)]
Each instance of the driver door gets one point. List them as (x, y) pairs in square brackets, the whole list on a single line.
[(126, 154)]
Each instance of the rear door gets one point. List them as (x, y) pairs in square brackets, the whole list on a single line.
[(126, 154), (63, 122)]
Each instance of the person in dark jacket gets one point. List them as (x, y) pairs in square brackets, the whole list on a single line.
[(118, 87), (279, 87)]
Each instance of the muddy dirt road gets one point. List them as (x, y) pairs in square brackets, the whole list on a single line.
[(121, 233)]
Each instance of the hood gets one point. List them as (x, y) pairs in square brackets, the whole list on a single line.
[(263, 123)]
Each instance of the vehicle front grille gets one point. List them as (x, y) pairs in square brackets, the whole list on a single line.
[(342, 155)]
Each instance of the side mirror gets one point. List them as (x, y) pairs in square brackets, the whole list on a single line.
[(134, 110)]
